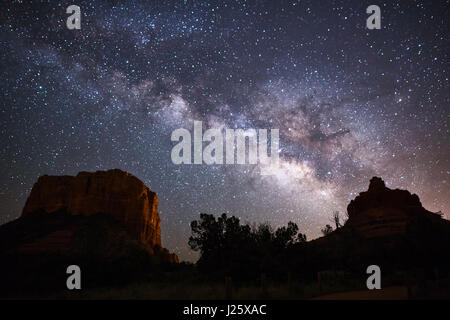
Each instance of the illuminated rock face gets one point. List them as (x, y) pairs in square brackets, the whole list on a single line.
[(115, 192), (381, 211)]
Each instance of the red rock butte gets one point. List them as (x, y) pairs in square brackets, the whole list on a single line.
[(381, 211), (115, 192)]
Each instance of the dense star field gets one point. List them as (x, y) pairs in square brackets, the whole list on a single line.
[(350, 102)]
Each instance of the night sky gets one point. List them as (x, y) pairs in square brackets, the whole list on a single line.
[(350, 102)]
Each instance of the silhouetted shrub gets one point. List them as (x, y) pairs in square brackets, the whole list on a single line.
[(229, 248)]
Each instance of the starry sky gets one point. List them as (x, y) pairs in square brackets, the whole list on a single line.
[(349, 102)]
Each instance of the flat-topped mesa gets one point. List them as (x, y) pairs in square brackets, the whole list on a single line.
[(115, 192), (381, 211)]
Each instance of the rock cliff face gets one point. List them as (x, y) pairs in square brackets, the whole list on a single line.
[(114, 192), (381, 211)]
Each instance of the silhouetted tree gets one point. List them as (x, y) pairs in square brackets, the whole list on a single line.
[(285, 236), (327, 230), (216, 239), (227, 247), (337, 219), (301, 238)]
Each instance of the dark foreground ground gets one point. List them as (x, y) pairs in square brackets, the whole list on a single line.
[(186, 283)]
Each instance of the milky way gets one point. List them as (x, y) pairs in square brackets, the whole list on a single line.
[(350, 102)]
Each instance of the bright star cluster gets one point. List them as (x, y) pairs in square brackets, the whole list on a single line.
[(350, 102)]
